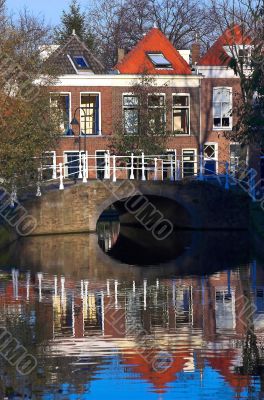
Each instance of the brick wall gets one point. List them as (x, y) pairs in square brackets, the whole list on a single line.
[(111, 113), (208, 133)]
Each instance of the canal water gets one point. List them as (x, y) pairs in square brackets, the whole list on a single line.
[(121, 315)]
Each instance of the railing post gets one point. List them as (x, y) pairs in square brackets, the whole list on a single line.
[(87, 165), (106, 166), (175, 163), (61, 177), (132, 176), (54, 167), (252, 185), (178, 170), (155, 168), (143, 167), (84, 168), (38, 194), (80, 166), (226, 175), (171, 169), (201, 175), (114, 168), (13, 197)]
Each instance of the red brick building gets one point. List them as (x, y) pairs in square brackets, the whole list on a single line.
[(199, 95)]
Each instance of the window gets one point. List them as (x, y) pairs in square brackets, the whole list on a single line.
[(235, 152), (156, 112), (181, 114), (222, 107), (71, 167), (131, 114), (225, 309), (100, 164), (169, 165), (60, 109), (189, 163), (210, 151), (80, 62), (89, 114), (159, 61)]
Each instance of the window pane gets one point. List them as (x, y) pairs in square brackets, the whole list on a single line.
[(155, 101), (130, 100), (156, 120), (226, 110), (217, 110), (159, 60), (80, 62), (90, 114), (217, 122), (217, 95), (181, 120), (209, 150), (180, 100), (60, 106), (188, 162), (131, 121), (226, 95), (226, 121)]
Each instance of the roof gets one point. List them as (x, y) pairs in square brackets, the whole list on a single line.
[(145, 363), (74, 47), (216, 55), (138, 62)]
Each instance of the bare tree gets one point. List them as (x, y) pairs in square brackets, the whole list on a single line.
[(120, 24), (247, 61)]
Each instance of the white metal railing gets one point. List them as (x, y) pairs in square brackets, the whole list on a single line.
[(143, 167)]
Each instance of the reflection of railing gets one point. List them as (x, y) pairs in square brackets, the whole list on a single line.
[(147, 167)]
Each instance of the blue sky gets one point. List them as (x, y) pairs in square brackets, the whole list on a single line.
[(51, 9)]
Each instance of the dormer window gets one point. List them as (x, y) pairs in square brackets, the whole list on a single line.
[(80, 62), (159, 60)]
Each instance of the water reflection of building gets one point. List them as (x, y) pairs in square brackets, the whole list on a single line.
[(197, 322), (108, 232)]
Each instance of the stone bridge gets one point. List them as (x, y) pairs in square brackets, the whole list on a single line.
[(187, 204)]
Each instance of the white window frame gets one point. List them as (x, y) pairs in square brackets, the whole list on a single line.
[(123, 108), (70, 106), (65, 172), (95, 166), (195, 162), (224, 290), (100, 113), (179, 107), (216, 154), (154, 107), (223, 128), (168, 66)]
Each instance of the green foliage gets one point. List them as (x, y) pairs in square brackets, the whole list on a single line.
[(150, 135), (74, 19), (249, 110), (26, 129)]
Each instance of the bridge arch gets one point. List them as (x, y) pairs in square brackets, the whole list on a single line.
[(180, 210)]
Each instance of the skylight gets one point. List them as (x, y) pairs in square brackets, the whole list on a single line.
[(159, 61), (80, 62)]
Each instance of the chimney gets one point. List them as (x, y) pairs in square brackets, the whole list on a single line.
[(120, 54), (196, 52)]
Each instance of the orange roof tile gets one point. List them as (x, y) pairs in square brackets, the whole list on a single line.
[(216, 55), (138, 62)]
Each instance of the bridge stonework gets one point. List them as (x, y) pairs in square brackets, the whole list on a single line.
[(77, 208)]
